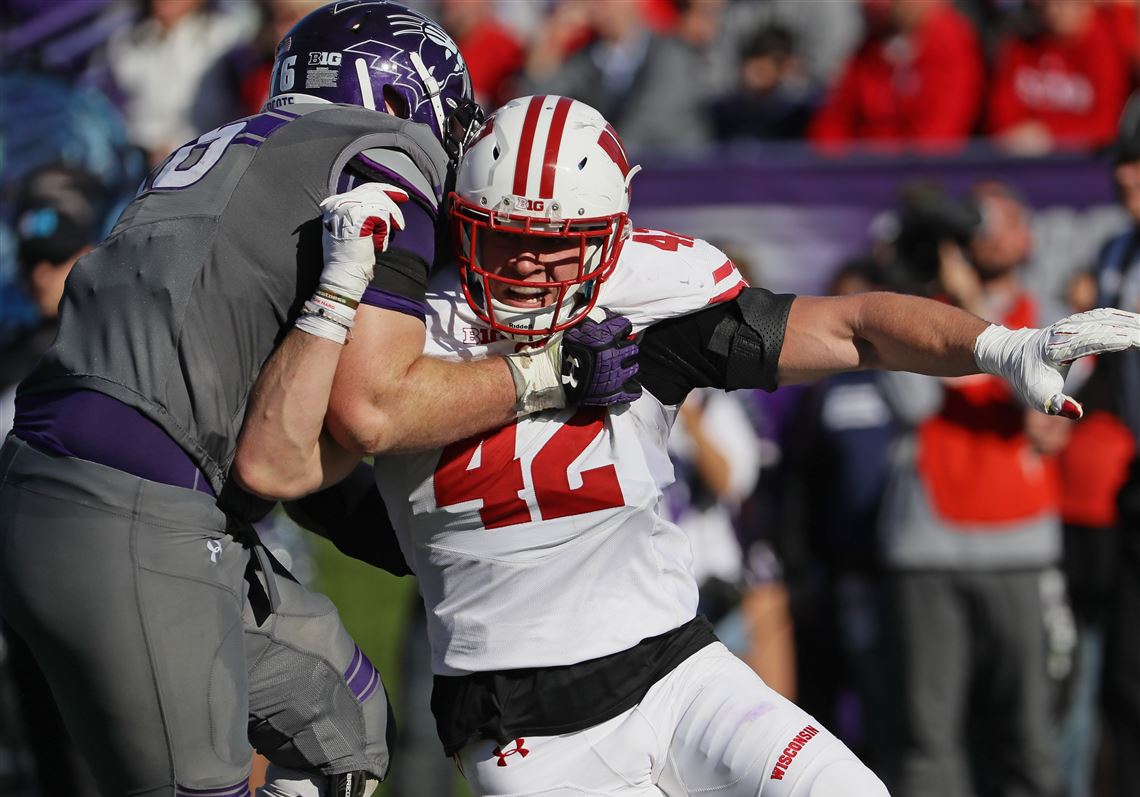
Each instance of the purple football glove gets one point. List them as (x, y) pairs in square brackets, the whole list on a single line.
[(599, 361)]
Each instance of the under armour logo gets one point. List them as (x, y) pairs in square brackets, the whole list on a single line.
[(570, 378), (518, 743), (215, 549)]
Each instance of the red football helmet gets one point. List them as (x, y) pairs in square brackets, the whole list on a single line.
[(541, 173)]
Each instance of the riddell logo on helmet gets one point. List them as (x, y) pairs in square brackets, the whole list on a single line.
[(792, 750), (522, 203)]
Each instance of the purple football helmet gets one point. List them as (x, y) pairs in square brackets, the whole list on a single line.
[(376, 52)]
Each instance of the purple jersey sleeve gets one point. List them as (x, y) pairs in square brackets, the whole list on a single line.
[(375, 297)]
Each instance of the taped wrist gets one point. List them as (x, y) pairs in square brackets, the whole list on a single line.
[(997, 350), (329, 315), (401, 272), (538, 378)]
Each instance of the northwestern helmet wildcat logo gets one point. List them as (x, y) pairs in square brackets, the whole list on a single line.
[(414, 32)]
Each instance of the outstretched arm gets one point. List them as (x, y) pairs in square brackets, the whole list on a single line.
[(904, 333), (887, 331)]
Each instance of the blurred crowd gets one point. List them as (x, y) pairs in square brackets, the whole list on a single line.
[(1033, 76), (944, 578)]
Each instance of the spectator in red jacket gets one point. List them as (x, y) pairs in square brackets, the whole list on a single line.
[(494, 56), (915, 81), (1123, 20), (1062, 85)]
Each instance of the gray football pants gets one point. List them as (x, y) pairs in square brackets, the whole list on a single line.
[(163, 649)]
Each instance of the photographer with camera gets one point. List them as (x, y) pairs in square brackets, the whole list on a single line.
[(970, 525)]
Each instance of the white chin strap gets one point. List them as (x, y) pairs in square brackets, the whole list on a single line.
[(432, 86)]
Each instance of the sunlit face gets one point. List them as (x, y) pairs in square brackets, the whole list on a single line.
[(535, 260)]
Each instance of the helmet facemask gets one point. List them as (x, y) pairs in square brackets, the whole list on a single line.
[(591, 246), (544, 179)]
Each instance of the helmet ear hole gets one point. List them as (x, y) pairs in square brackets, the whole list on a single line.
[(396, 102)]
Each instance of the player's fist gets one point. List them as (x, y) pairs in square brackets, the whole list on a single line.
[(599, 361), (593, 362), (1035, 361), (358, 225)]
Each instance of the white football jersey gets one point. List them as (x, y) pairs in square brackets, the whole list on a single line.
[(541, 544)]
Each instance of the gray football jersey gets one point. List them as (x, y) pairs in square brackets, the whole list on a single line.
[(205, 271)]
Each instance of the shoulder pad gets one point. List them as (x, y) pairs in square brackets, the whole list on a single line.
[(387, 165), (662, 275)]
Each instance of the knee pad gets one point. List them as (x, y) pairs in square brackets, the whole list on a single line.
[(845, 778)]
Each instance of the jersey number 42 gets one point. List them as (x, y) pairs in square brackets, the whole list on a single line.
[(497, 478)]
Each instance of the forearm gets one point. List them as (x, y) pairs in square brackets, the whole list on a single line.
[(894, 332), (281, 450), (387, 396), (428, 404), (877, 330)]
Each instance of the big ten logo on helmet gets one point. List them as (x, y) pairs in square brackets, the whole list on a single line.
[(324, 59), (523, 203)]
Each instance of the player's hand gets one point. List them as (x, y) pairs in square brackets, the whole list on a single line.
[(594, 362), (358, 225), (599, 361), (1035, 361)]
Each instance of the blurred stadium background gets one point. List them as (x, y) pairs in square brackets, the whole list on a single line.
[(799, 136)]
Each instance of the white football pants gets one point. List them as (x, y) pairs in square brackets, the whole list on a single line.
[(710, 727)]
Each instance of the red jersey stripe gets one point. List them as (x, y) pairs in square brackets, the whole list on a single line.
[(731, 293), (723, 270), (553, 143), (526, 143)]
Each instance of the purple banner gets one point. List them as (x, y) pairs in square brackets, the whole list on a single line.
[(793, 217)]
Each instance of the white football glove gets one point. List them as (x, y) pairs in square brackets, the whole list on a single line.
[(1035, 361), (358, 225)]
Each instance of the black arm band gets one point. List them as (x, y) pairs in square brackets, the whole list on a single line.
[(352, 515), (402, 272), (751, 339), (731, 345)]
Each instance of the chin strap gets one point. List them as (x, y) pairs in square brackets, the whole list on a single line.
[(433, 89)]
